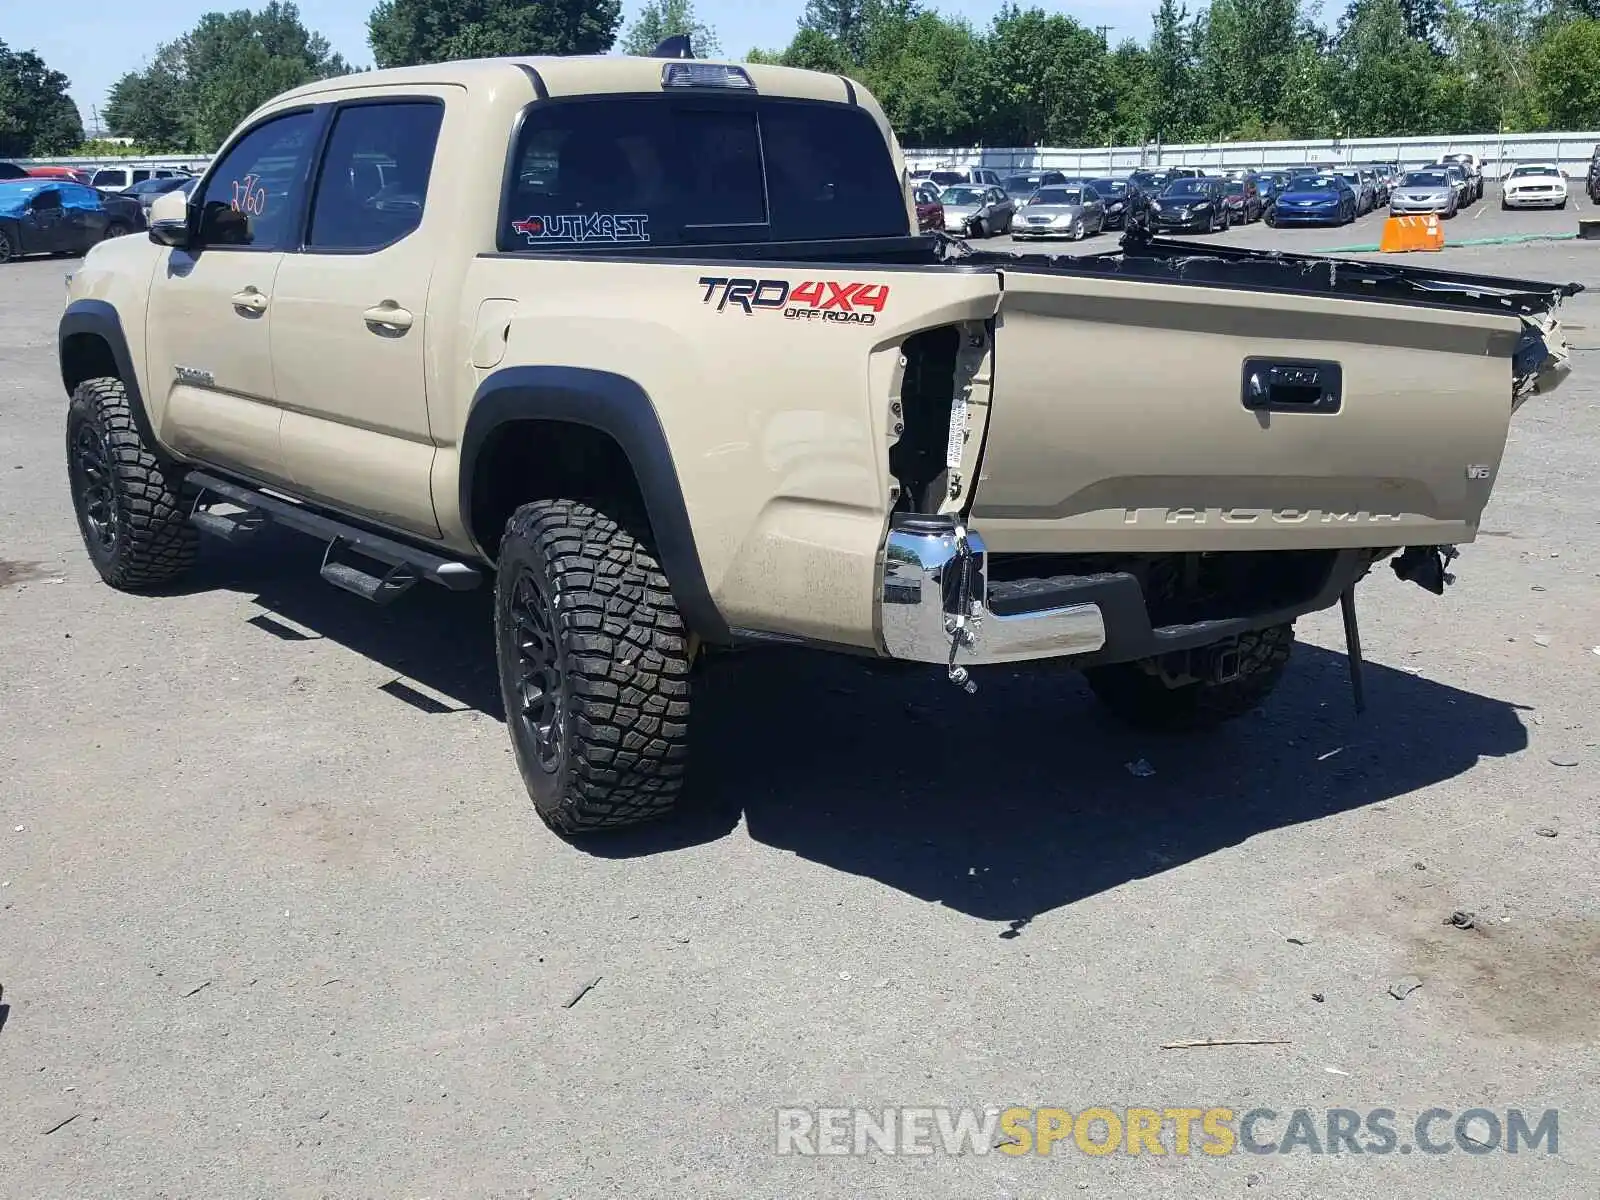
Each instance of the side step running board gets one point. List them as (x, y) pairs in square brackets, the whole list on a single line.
[(407, 563)]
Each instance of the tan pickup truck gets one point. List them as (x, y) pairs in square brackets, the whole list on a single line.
[(654, 342)]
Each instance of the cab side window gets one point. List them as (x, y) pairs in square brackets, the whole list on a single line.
[(252, 197), (373, 184)]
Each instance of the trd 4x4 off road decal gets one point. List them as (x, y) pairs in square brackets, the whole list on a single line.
[(572, 229), (825, 300)]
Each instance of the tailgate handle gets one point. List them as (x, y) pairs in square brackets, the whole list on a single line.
[(1291, 385)]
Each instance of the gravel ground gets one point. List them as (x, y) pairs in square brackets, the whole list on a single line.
[(276, 918)]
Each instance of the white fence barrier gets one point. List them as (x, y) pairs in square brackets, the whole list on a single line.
[(1498, 152)]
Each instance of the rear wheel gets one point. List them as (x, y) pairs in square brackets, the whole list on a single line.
[(116, 229), (1146, 695), (6, 249), (129, 505), (594, 668)]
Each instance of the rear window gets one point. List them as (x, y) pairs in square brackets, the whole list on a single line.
[(634, 171)]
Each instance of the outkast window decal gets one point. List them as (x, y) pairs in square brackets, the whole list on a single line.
[(578, 229), (828, 301)]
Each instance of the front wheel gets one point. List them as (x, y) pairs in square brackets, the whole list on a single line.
[(129, 504), (1146, 695), (1076, 233), (594, 668), (6, 248)]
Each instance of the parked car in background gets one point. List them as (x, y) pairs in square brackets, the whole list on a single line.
[(70, 174), (1195, 205), (117, 179), (1150, 182), (930, 213), (10, 170), (1361, 184), (1270, 183), (1472, 167), (1594, 176), (1429, 190), (1534, 185), (124, 213), (1315, 200), (1243, 198), (973, 211), (1074, 211), (146, 190), (1380, 183), (1460, 181), (1020, 187), (1114, 194), (48, 216)]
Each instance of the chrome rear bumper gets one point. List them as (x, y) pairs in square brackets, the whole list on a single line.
[(933, 607)]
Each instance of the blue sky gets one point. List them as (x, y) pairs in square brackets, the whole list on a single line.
[(95, 50)]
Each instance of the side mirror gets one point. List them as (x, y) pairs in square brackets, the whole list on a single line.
[(170, 233), (169, 220)]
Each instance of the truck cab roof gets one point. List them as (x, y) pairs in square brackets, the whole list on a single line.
[(583, 75)]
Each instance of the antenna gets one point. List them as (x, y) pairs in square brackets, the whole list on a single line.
[(676, 46)]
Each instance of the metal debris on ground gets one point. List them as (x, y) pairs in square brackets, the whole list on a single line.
[(1299, 940), (1318, 997), (1404, 987), (1201, 1043), (1544, 831), (1541, 639), (60, 1124), (1330, 754), (1564, 760), (201, 988), (1462, 920), (1140, 769), (583, 991)]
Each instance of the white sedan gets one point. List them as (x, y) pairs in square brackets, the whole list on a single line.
[(1534, 185)]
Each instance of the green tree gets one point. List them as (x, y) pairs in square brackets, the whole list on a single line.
[(1566, 75), (925, 71), (1385, 76), (1173, 99), (197, 89), (1245, 57), (37, 117), (403, 33), (1129, 77), (843, 21), (661, 19), (147, 105), (1043, 81)]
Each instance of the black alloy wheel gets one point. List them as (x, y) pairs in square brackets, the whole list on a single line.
[(541, 679)]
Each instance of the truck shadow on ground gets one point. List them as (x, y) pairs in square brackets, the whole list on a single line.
[(1002, 805)]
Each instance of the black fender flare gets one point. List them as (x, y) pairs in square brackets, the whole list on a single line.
[(99, 319), (618, 407)]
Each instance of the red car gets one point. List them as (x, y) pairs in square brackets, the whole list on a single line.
[(930, 213), (69, 173)]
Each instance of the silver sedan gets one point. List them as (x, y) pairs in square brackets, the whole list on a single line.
[(1427, 191), (1071, 212), (972, 211)]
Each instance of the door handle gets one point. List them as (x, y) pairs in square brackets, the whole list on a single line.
[(1288, 385), (251, 300), (388, 314)]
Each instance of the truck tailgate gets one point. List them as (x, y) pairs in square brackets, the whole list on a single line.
[(1130, 412)]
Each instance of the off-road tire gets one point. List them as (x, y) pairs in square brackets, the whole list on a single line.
[(1145, 702), (619, 660), (143, 538)]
